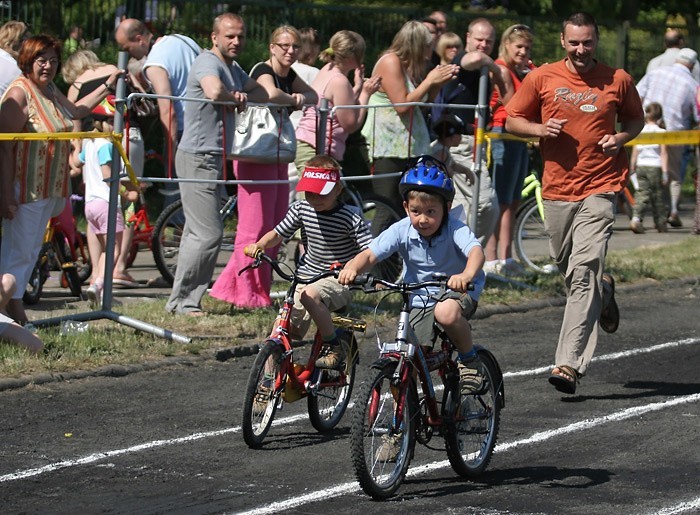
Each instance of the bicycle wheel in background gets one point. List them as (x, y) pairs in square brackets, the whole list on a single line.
[(167, 233), (79, 254), (165, 242), (82, 257), (530, 239), (327, 405), (389, 269), (261, 398), (381, 452), (70, 276), (38, 277), (470, 440)]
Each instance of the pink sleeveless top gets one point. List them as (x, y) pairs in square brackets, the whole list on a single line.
[(335, 134)]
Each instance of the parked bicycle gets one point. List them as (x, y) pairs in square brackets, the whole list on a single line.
[(390, 414), (59, 253), (530, 240), (167, 231), (276, 377)]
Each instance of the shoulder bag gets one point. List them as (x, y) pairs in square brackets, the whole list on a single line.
[(264, 134)]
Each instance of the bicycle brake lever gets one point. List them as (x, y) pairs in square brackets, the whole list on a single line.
[(247, 267), (255, 264)]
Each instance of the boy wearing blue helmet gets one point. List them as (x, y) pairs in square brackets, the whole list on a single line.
[(431, 241)]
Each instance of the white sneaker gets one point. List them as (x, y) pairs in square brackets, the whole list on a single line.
[(510, 268), (550, 268), (491, 267), (94, 294)]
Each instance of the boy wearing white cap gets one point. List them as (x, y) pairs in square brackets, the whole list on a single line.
[(332, 232)]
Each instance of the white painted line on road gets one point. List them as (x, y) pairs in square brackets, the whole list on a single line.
[(684, 507), (99, 456), (611, 356), (582, 425)]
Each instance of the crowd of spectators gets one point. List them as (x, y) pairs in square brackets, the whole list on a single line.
[(425, 61)]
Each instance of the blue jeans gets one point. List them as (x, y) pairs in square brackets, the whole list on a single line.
[(509, 166)]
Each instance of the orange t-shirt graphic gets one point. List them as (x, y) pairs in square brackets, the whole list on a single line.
[(575, 166)]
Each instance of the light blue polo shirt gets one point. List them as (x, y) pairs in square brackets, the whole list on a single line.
[(445, 253)]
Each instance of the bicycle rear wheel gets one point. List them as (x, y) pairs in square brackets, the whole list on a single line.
[(327, 405), (379, 215), (69, 266), (165, 242), (261, 396), (530, 240), (38, 277), (382, 450), (471, 438), (82, 257), (168, 229)]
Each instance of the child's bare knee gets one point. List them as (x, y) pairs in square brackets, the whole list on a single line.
[(448, 313)]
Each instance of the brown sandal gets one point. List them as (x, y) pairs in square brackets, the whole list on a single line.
[(564, 379)]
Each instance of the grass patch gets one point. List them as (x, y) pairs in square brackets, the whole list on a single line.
[(109, 343)]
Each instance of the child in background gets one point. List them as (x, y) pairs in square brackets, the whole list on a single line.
[(431, 240), (10, 330), (650, 163), (331, 232), (95, 157), (448, 129)]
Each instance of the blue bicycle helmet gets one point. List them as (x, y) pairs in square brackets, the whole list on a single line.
[(428, 174)]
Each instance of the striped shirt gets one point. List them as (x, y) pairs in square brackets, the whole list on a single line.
[(334, 236)]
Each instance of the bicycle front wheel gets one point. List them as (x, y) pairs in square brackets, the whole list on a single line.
[(382, 449), (261, 396), (531, 241), (471, 437), (327, 405)]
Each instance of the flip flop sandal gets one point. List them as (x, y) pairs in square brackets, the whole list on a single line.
[(565, 380)]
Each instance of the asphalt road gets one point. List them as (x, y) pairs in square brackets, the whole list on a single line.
[(169, 441)]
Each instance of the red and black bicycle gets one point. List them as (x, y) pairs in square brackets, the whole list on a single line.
[(276, 377)]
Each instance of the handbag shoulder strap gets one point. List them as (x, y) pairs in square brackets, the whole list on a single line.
[(274, 75)]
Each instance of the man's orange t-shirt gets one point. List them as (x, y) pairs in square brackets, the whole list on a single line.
[(574, 164)]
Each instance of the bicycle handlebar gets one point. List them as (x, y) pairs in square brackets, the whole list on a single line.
[(261, 256), (369, 282)]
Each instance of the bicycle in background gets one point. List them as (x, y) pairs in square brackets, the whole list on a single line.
[(530, 240), (391, 414), (276, 377), (168, 229), (59, 253)]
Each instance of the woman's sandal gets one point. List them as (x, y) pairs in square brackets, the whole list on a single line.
[(564, 379)]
